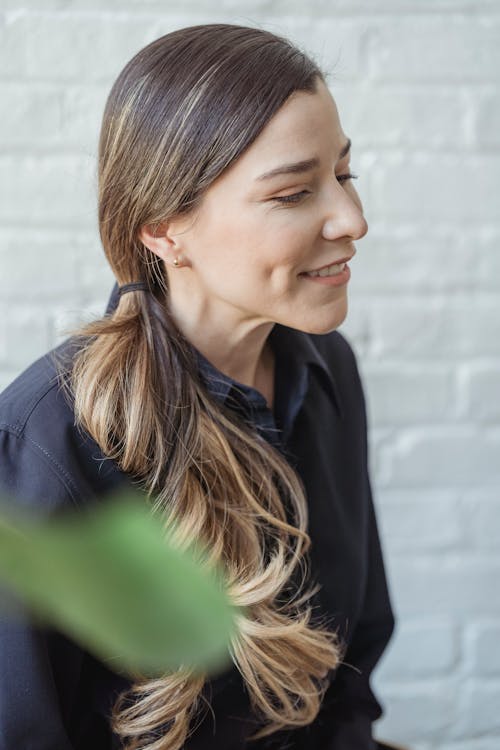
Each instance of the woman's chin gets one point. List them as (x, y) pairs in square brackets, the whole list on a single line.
[(323, 322)]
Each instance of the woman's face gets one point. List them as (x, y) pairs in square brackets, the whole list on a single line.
[(253, 237)]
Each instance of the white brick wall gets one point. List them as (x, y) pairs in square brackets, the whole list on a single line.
[(417, 83)]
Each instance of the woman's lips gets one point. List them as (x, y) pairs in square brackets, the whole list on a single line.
[(337, 279), (345, 259)]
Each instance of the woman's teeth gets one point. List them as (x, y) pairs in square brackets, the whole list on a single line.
[(328, 271)]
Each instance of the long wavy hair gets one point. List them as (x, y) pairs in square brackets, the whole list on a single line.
[(181, 112)]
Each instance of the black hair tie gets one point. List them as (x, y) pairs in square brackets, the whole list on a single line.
[(132, 287)]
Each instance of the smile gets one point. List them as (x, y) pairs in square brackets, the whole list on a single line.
[(338, 264), (332, 270)]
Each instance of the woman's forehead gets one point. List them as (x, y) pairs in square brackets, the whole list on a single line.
[(306, 124)]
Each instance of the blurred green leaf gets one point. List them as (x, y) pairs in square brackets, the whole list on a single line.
[(112, 580)]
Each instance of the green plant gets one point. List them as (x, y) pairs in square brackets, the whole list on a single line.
[(114, 581)]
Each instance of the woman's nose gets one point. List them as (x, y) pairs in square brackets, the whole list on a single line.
[(345, 217)]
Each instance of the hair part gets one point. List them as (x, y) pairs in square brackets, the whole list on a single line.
[(181, 112)]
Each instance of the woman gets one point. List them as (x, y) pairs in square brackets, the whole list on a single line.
[(217, 381)]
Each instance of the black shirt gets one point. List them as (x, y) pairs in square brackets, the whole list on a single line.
[(54, 695)]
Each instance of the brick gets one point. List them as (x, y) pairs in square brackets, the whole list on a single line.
[(477, 743), (64, 320), (356, 327), (54, 266), (377, 438), (13, 44), (479, 702), (379, 116), (82, 110), (85, 47), (335, 44), (452, 48), (392, 7), (421, 649), (482, 386), (48, 4), (326, 7), (419, 520), (434, 328), (442, 457), (488, 120), (458, 585), (40, 266), (417, 712), (482, 647), (31, 115), (400, 393), (96, 279), (397, 258), (481, 517), (51, 190), (487, 243), (430, 187), (24, 335)]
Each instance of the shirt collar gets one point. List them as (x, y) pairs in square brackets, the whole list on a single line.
[(300, 348), (295, 349)]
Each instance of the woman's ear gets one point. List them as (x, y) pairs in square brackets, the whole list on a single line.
[(156, 238), (168, 239)]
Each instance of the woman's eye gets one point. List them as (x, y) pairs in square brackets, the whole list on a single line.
[(294, 198), (345, 177)]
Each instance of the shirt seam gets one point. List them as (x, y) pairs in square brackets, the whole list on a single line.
[(20, 423), (57, 469)]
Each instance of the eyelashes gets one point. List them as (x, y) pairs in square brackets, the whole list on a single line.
[(296, 197), (347, 176)]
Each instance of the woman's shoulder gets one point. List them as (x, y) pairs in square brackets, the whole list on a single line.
[(34, 391), (46, 460)]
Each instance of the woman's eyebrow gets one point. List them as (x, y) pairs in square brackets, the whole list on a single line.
[(301, 166)]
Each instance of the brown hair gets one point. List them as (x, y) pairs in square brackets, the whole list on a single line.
[(181, 112)]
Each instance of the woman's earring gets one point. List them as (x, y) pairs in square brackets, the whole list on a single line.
[(176, 261)]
